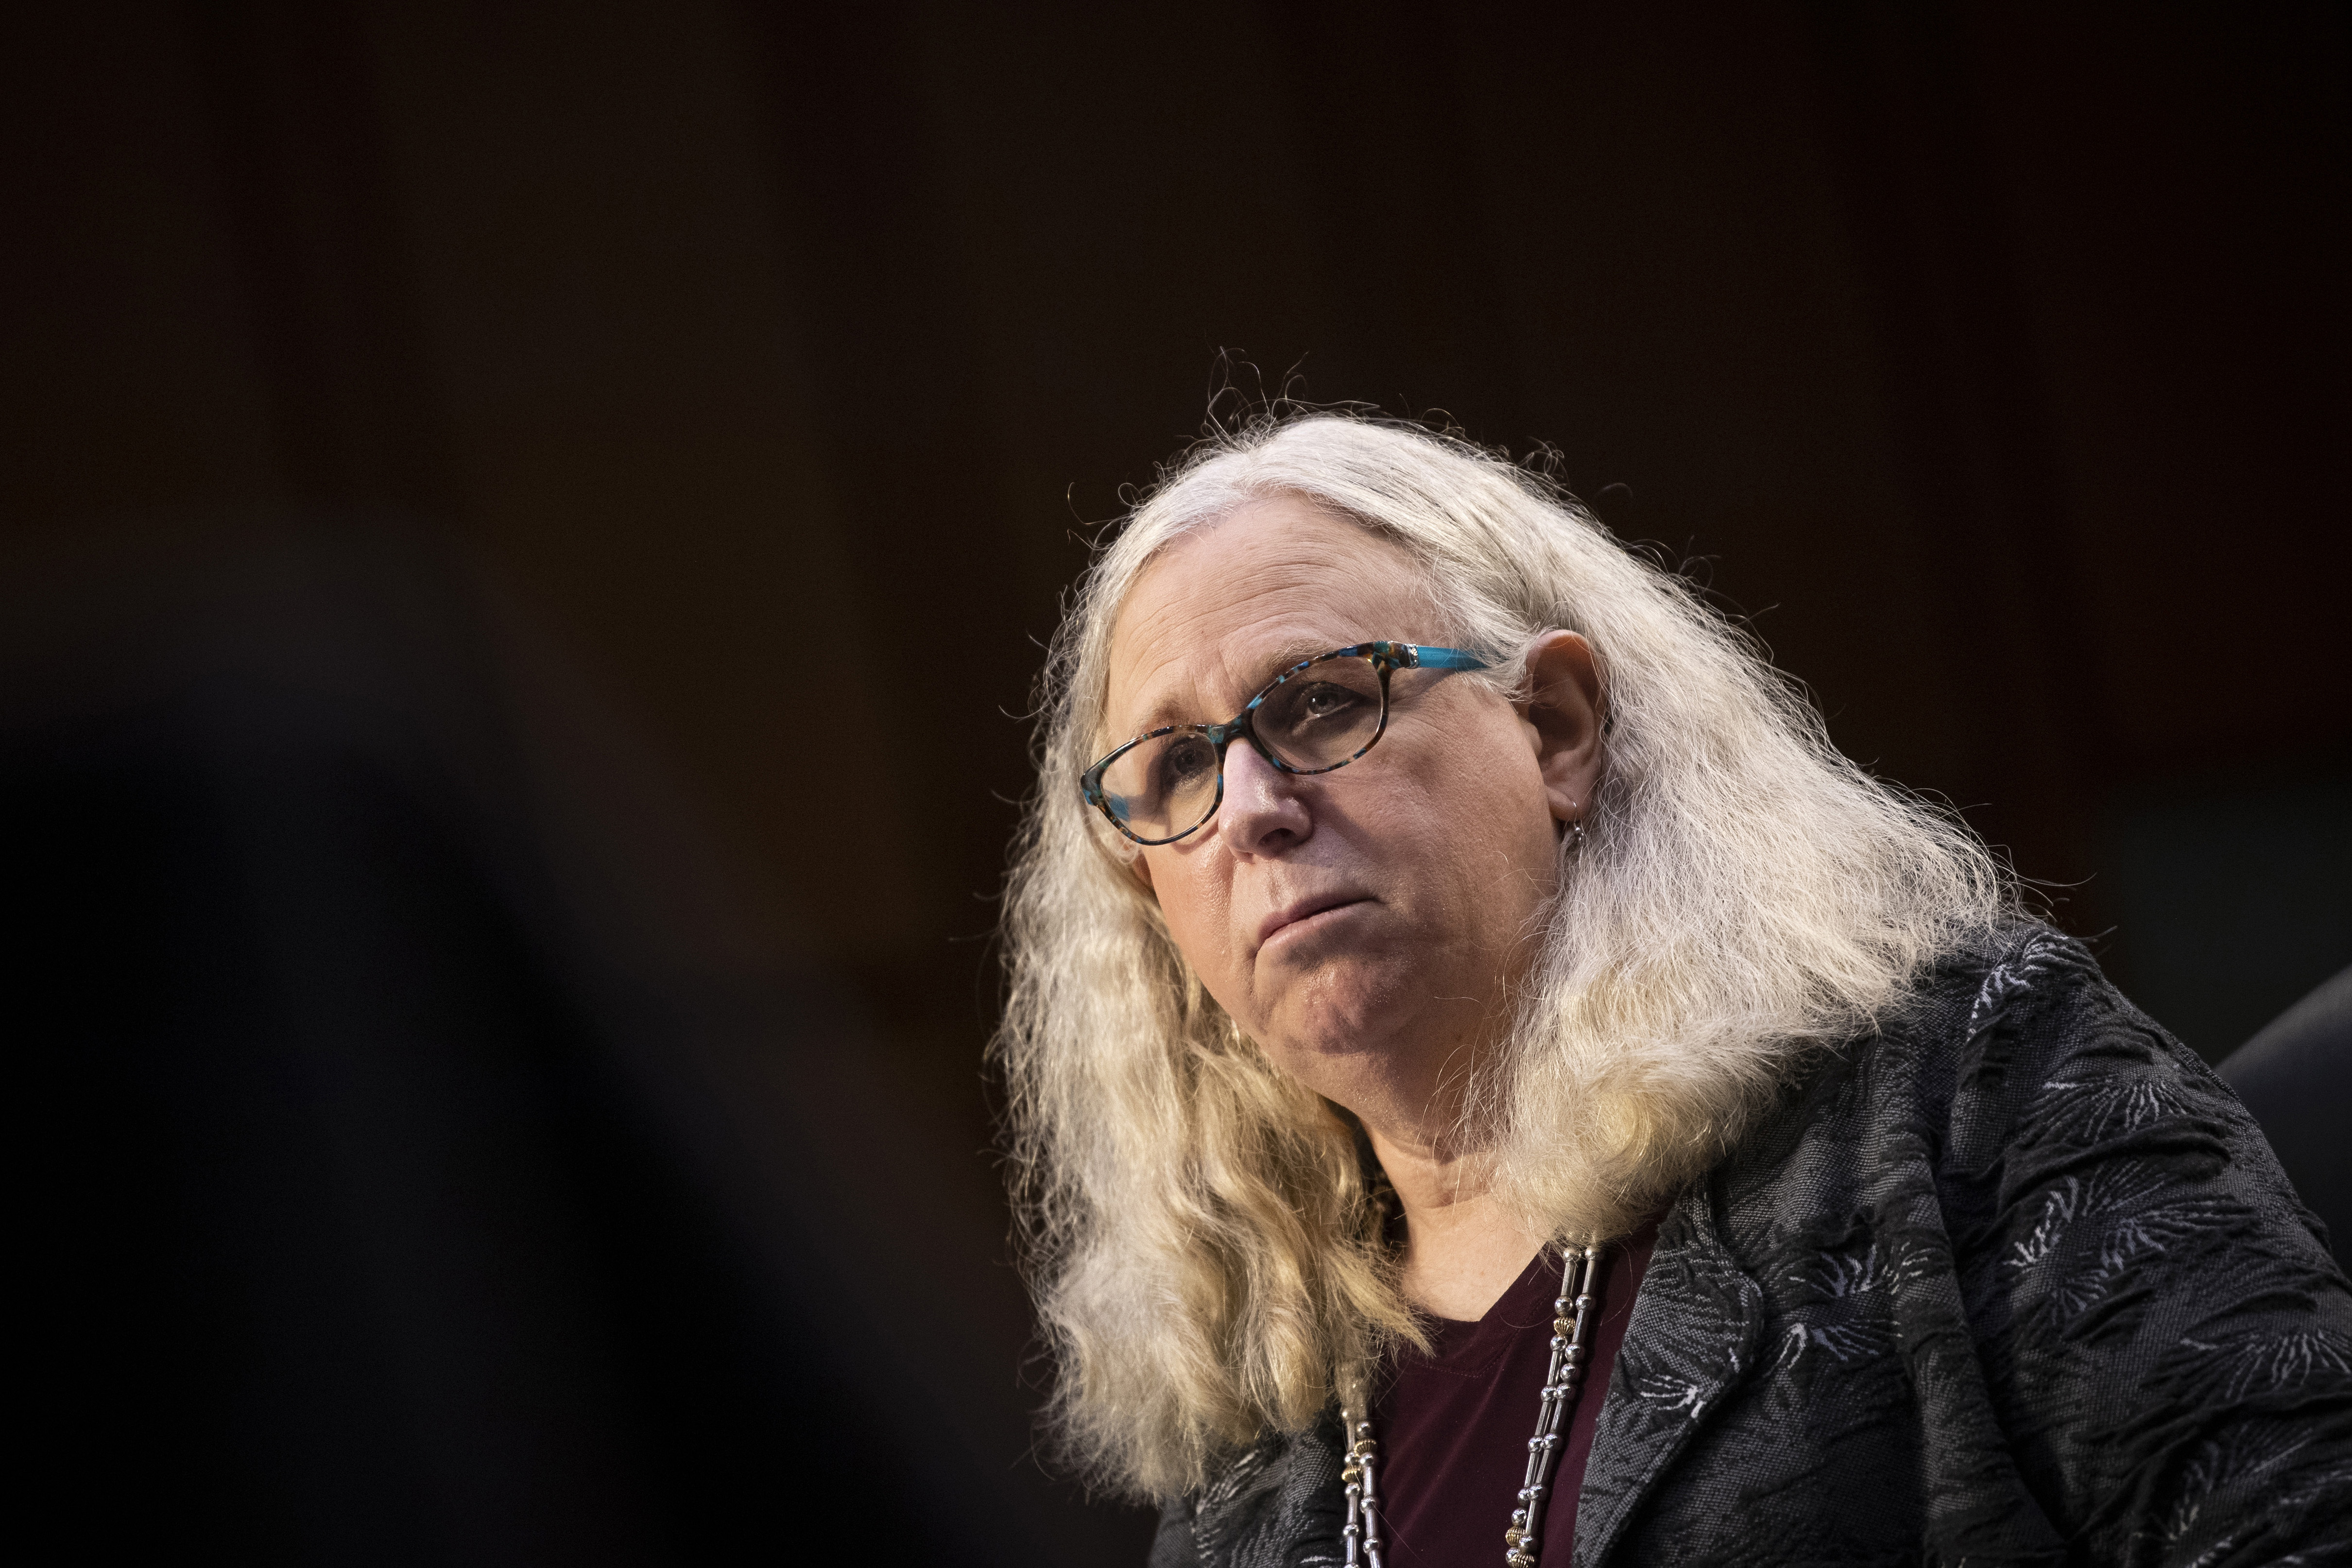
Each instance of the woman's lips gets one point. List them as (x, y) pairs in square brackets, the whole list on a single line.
[(1300, 911)]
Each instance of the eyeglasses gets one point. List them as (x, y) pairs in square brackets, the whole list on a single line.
[(1319, 714)]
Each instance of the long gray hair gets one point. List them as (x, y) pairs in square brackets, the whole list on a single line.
[(1200, 1229)]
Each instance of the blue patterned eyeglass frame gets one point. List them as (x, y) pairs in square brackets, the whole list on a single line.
[(1387, 657)]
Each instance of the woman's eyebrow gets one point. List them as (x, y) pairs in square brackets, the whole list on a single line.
[(1280, 660), (1273, 663), (1289, 657)]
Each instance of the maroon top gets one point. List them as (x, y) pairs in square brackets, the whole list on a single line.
[(1454, 1427)]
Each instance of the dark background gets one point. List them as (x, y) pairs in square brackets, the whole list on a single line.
[(527, 535)]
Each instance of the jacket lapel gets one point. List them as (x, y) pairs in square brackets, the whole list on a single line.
[(1693, 1332)]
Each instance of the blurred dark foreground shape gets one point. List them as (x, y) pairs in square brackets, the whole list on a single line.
[(429, 1162)]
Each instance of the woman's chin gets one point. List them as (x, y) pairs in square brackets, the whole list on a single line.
[(1347, 1034)]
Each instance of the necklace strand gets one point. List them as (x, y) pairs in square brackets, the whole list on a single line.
[(1571, 1331)]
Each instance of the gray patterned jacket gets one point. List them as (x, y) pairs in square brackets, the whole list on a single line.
[(2015, 1280)]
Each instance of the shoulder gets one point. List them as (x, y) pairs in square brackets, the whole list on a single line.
[(2049, 1045), (2009, 1070), (2024, 1044), (1977, 1043), (2051, 1072), (2088, 1186), (2072, 1244)]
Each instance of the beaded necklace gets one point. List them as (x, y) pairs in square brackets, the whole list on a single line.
[(1571, 1329)]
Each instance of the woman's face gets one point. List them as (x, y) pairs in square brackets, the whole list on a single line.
[(1366, 927)]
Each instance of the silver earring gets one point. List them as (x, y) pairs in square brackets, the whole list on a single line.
[(1576, 833)]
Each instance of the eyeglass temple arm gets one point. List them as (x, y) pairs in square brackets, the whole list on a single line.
[(1446, 659)]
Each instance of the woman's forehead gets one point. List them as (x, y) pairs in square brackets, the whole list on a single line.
[(1221, 611)]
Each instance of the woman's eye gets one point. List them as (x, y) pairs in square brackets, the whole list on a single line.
[(1186, 763), (1323, 700)]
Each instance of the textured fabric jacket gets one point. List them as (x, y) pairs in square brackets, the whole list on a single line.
[(2014, 1280)]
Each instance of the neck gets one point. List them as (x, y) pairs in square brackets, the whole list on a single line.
[(1462, 1251)]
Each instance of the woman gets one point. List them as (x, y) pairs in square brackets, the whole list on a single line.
[(1490, 1083)]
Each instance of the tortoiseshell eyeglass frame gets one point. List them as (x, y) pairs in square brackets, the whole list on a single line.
[(1387, 658)]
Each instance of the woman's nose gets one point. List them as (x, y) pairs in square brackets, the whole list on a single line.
[(1264, 810)]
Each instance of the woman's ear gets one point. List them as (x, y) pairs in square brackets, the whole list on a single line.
[(1564, 709)]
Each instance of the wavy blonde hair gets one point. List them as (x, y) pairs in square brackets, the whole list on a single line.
[(1201, 1230)]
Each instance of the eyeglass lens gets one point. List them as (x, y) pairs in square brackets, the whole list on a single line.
[(1318, 719)]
